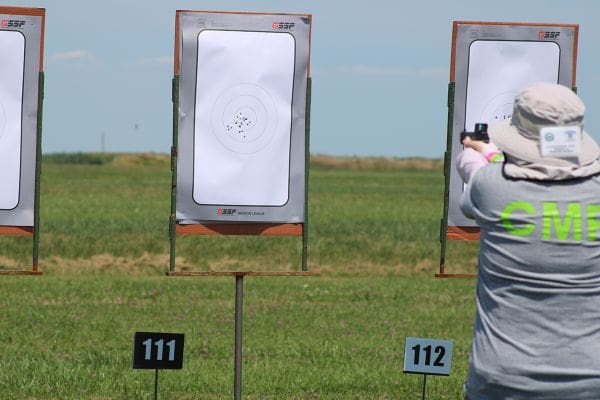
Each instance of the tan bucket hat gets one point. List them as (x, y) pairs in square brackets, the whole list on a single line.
[(537, 106)]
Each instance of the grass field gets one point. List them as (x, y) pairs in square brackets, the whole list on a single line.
[(104, 250)]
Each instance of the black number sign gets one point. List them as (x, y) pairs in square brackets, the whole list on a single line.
[(158, 350)]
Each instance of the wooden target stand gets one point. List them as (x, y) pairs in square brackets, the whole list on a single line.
[(31, 231), (237, 229), (472, 233)]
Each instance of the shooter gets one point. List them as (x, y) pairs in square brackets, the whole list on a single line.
[(537, 329)]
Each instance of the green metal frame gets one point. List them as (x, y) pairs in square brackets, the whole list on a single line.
[(173, 218), (306, 175), (38, 173), (447, 165)]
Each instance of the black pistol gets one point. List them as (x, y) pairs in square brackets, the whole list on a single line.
[(480, 133)]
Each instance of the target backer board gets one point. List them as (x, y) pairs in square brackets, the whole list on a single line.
[(490, 63), (241, 135), (21, 46)]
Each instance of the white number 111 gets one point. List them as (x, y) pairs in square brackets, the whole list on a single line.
[(159, 349)]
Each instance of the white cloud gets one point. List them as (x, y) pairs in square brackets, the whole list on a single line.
[(71, 55)]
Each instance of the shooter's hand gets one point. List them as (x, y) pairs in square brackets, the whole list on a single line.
[(476, 145), (488, 150), (475, 155)]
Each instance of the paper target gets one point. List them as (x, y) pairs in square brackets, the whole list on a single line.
[(12, 48), (497, 70), (2, 120), (244, 118), (241, 92)]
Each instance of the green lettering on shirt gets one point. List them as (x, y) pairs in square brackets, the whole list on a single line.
[(510, 208), (593, 223), (562, 226)]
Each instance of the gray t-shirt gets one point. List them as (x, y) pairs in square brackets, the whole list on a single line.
[(537, 330)]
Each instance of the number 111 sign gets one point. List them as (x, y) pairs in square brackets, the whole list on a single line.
[(158, 350)]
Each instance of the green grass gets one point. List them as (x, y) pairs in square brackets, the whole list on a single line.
[(104, 251)]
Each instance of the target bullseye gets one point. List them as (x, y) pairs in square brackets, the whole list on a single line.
[(244, 118)]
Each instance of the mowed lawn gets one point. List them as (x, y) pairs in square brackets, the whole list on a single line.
[(374, 241)]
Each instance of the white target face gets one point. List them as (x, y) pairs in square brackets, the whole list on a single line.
[(499, 108), (498, 70), (2, 120), (242, 127), (244, 118), (12, 48)]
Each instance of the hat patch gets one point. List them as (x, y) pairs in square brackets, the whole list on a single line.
[(560, 141)]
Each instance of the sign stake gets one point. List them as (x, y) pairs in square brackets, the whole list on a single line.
[(156, 384), (424, 385)]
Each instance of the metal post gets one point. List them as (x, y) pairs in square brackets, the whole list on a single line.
[(424, 385), (172, 217), (38, 173), (447, 163), (306, 173), (239, 304), (156, 384)]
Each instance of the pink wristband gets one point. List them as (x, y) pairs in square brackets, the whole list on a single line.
[(494, 157)]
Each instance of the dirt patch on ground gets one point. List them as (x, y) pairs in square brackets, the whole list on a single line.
[(143, 265), (427, 266), (9, 263), (159, 264), (146, 263), (373, 269)]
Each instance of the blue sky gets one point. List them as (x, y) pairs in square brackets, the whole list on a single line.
[(379, 68)]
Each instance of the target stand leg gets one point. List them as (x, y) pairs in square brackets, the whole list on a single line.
[(239, 304)]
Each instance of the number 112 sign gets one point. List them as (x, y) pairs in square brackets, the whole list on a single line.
[(158, 350), (427, 356)]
